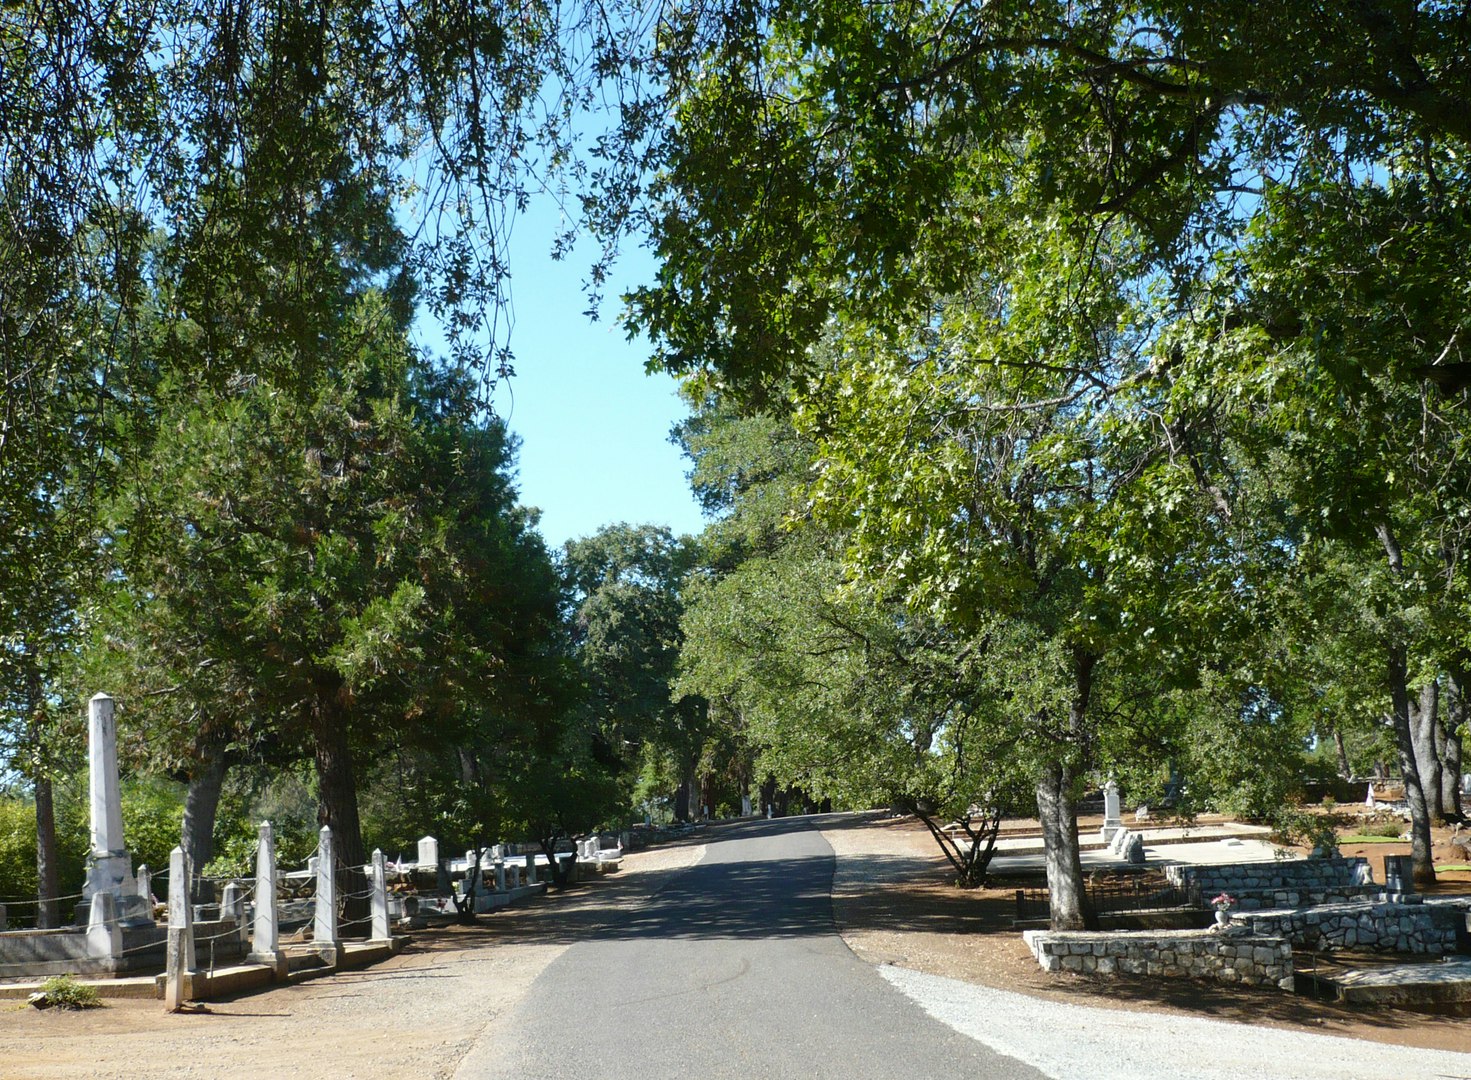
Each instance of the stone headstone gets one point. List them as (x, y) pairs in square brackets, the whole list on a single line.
[(1399, 874), (232, 905), (1111, 819), (745, 806), (1134, 850), (428, 852), (145, 885)]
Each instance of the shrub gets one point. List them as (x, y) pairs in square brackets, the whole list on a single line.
[(64, 992), (1381, 826)]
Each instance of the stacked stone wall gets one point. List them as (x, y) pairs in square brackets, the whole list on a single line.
[(1382, 926), (1309, 880), (1251, 899), (1235, 956)]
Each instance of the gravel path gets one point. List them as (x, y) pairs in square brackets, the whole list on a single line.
[(1067, 1041)]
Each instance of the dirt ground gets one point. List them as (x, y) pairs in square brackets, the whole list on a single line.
[(894, 902), (419, 1013)]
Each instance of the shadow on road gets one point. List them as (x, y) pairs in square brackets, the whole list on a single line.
[(754, 895)]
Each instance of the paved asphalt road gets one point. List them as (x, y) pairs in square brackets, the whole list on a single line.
[(734, 970)]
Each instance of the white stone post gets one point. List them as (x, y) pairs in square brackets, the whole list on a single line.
[(380, 931), (179, 969), (265, 945), (531, 878), (745, 806), (324, 924), (111, 869), (500, 877)]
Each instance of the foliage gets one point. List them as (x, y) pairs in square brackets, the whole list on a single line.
[(64, 992), (152, 811), (255, 794), (18, 847), (625, 587)]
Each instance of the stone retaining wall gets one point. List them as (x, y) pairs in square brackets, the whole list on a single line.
[(1234, 956), (1203, 882), (1266, 899), (1374, 925)]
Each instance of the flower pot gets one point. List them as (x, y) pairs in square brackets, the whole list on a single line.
[(1223, 916)]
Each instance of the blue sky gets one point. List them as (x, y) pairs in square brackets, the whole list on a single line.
[(594, 428)]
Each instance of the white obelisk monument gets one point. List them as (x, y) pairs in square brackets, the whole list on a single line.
[(110, 867)]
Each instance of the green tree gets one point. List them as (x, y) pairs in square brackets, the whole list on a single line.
[(624, 583)]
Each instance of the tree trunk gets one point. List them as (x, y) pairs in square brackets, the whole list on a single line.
[(469, 767), (337, 803), (1453, 717), (1450, 778), (1424, 719), (554, 868), (1399, 694), (1057, 810), (1397, 672), (46, 887), (47, 915), (1345, 770), (201, 804)]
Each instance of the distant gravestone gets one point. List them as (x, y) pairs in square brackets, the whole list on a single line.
[(428, 851), (1111, 819), (1399, 873), (1134, 850)]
